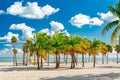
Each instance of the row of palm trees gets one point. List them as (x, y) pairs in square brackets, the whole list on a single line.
[(43, 45)]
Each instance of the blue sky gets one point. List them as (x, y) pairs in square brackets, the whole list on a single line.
[(22, 18)]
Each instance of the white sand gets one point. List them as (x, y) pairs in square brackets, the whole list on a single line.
[(109, 71)]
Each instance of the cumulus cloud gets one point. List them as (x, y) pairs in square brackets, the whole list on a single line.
[(32, 10), (2, 12), (107, 16), (80, 20), (55, 26), (8, 52), (26, 30), (9, 36)]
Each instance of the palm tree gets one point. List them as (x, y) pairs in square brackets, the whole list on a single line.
[(40, 42), (28, 44), (67, 48), (85, 48), (103, 50), (59, 40), (117, 49), (24, 48), (113, 24), (73, 41), (14, 40), (32, 52), (89, 50), (49, 48), (95, 48), (15, 52), (110, 49)]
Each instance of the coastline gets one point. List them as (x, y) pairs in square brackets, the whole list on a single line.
[(102, 72)]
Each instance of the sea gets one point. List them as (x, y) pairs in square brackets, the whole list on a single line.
[(19, 59)]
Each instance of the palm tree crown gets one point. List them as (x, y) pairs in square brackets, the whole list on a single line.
[(113, 24)]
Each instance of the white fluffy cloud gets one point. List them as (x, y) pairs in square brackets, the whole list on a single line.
[(26, 30), (31, 10), (2, 12), (9, 36), (107, 16), (8, 52), (55, 26), (80, 20)]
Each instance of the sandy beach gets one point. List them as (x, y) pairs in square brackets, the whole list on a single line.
[(109, 71)]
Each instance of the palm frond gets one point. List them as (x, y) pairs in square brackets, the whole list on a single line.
[(109, 26), (114, 35), (114, 11)]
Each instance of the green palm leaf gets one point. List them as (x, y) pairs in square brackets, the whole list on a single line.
[(114, 35), (114, 11), (109, 26)]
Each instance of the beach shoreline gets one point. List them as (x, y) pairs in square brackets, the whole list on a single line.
[(102, 72)]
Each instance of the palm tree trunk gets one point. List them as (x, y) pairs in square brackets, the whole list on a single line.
[(41, 62), (57, 60), (73, 59), (107, 58), (38, 62), (13, 55), (23, 58), (102, 59), (72, 62), (13, 59), (82, 60), (94, 61), (27, 59), (117, 58), (16, 60)]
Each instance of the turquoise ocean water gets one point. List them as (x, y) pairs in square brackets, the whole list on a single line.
[(19, 59)]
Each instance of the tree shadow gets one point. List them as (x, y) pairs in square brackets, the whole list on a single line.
[(109, 67), (18, 69), (109, 76), (31, 68)]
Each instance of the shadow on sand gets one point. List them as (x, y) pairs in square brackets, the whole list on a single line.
[(109, 67), (109, 76), (31, 68)]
